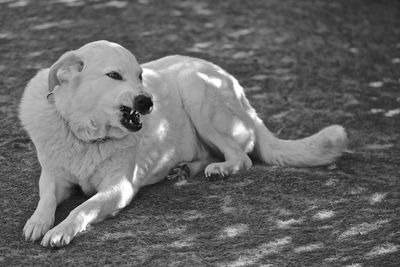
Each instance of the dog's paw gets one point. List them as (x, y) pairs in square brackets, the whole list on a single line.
[(37, 226), (216, 169), (61, 235), (180, 172)]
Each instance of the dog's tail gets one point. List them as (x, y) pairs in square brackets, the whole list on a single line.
[(319, 149)]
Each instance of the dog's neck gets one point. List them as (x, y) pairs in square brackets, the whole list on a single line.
[(97, 141), (50, 98)]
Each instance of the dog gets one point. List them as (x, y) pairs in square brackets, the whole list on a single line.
[(100, 120)]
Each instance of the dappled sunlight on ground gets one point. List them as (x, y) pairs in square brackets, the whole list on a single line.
[(252, 256), (377, 198), (234, 230), (59, 24), (187, 241), (308, 248), (324, 214), (362, 229), (303, 64), (288, 223), (382, 250)]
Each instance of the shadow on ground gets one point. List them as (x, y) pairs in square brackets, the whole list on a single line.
[(305, 65)]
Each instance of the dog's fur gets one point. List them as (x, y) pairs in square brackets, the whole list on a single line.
[(201, 121)]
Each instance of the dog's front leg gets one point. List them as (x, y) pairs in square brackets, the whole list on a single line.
[(113, 195), (52, 191)]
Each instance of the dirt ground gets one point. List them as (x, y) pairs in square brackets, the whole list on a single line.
[(305, 65)]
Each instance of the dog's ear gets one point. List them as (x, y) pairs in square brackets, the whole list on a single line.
[(64, 69)]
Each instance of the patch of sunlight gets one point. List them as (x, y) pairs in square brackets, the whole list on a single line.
[(164, 159), (382, 249), (284, 212), (48, 25), (162, 129), (71, 3), (217, 82), (392, 112), (336, 258), (324, 227), (354, 265), (186, 242), (308, 248), (35, 54), (362, 229), (239, 130), (175, 231), (20, 3), (6, 35), (376, 84), (324, 214), (357, 190), (192, 215), (239, 92), (377, 197), (242, 54), (212, 197), (116, 4), (226, 205), (376, 110), (378, 146), (234, 230), (251, 256), (181, 183), (288, 223), (331, 182)]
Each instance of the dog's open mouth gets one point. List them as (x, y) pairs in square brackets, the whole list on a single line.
[(130, 119)]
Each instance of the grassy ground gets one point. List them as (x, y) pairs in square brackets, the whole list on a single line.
[(305, 64)]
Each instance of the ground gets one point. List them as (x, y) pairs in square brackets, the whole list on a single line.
[(304, 64)]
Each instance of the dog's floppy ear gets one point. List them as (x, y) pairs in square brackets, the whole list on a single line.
[(64, 69)]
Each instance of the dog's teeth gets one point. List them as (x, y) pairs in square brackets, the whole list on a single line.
[(130, 113)]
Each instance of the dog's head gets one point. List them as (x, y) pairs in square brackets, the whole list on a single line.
[(98, 90)]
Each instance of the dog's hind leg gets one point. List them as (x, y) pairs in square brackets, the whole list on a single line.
[(235, 157), (219, 120)]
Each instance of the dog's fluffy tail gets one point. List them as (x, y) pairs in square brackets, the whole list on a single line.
[(319, 149)]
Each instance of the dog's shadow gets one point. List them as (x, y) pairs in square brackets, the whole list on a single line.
[(78, 197), (64, 208)]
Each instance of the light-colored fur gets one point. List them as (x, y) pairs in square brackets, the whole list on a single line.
[(201, 121)]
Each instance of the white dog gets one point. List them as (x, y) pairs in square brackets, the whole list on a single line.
[(84, 115)]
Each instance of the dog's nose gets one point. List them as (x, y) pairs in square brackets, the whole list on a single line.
[(143, 103)]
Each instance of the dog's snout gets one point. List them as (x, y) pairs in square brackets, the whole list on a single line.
[(143, 103)]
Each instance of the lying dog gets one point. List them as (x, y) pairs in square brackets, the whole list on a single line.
[(85, 117)]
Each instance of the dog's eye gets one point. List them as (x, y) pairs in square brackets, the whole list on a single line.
[(141, 76), (114, 75)]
